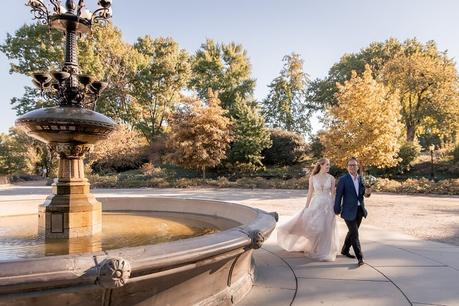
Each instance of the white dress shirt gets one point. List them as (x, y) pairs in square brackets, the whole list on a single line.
[(355, 179)]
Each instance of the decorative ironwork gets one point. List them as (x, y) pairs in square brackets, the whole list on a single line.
[(69, 87), (39, 10)]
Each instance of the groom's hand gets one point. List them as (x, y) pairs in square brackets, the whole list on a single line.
[(367, 192)]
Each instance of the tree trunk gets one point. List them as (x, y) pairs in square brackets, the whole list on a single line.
[(204, 172), (410, 132)]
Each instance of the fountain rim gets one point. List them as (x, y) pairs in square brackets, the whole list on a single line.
[(147, 261)]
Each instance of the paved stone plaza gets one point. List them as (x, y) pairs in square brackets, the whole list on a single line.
[(400, 269)]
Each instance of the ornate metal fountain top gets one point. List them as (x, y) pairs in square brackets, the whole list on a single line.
[(69, 87), (45, 15)]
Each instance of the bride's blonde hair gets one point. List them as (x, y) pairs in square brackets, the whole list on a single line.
[(320, 162)]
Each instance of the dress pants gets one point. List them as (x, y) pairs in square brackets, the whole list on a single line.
[(352, 237)]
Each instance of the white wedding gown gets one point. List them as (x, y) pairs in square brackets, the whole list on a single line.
[(313, 230)]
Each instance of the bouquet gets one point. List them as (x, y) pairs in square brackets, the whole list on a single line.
[(369, 181)]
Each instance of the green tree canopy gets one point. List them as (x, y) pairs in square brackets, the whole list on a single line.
[(286, 106), (224, 68), (158, 84), (251, 137)]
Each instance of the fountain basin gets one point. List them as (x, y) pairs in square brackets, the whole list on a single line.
[(214, 269), (66, 125)]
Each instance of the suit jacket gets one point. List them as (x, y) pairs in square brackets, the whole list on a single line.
[(347, 198)]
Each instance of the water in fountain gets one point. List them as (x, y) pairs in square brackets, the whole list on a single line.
[(20, 237)]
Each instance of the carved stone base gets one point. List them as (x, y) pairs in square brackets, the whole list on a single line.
[(72, 211)]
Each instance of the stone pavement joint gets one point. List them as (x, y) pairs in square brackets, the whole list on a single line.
[(401, 291)]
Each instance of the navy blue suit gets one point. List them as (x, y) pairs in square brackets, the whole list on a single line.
[(347, 198), (346, 204)]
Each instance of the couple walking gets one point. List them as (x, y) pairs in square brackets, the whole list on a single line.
[(314, 230)]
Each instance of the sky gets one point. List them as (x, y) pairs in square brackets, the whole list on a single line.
[(320, 31)]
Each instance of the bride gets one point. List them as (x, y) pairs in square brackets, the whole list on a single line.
[(314, 230)]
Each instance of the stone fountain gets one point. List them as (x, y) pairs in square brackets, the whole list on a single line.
[(208, 268), (70, 129)]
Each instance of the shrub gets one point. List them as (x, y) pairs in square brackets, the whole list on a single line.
[(288, 148), (221, 182), (407, 153), (150, 170), (423, 185), (103, 181), (125, 149)]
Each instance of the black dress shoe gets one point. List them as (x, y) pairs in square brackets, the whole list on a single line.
[(361, 262), (347, 254)]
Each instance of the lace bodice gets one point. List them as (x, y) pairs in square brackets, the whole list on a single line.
[(326, 188)]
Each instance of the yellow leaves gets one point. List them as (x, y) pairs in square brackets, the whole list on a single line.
[(427, 86), (364, 124)]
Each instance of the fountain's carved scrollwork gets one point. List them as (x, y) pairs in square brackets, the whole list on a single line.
[(113, 273), (257, 239), (71, 151)]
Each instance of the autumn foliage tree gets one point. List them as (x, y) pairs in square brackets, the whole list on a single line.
[(200, 134), (424, 76), (428, 91), (365, 123)]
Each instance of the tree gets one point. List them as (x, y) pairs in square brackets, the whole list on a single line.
[(316, 148), (322, 92), (407, 67), (158, 84), (200, 134), (21, 154), (428, 89), (251, 137), (286, 106), (364, 124), (225, 68), (287, 149), (105, 55), (32, 48)]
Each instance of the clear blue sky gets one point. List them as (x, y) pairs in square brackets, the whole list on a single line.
[(320, 31)]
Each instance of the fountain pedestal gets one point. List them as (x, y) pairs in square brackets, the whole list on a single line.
[(71, 211)]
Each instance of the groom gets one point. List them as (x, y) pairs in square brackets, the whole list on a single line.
[(349, 202)]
